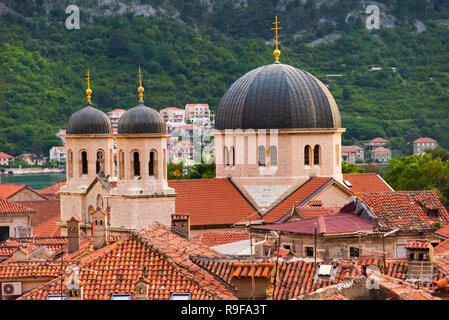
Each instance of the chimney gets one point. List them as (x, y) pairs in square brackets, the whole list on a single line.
[(73, 234), (100, 228), (420, 259), (74, 289), (141, 289), (242, 280), (180, 224)]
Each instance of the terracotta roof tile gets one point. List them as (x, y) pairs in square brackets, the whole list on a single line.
[(424, 140), (443, 232), (406, 209), (34, 269), (54, 188), (443, 247), (5, 156), (366, 182), (55, 244), (8, 190), (312, 212), (45, 210), (418, 244), (157, 254), (296, 198), (212, 239), (210, 201), (12, 207)]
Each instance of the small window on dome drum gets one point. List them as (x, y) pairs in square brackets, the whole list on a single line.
[(316, 155), (307, 155), (273, 156), (84, 166), (136, 164), (262, 155)]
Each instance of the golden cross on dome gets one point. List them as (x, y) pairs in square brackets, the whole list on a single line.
[(276, 52), (141, 90), (88, 91)]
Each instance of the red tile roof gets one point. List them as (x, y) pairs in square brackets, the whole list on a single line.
[(210, 201), (45, 210), (340, 223), (54, 188), (418, 244), (295, 278), (12, 207), (443, 247), (157, 254), (345, 149), (48, 228), (380, 149), (298, 197), (172, 108), (55, 244), (366, 182), (247, 270), (406, 209), (5, 156), (424, 140), (335, 297), (443, 232), (8, 190), (212, 239), (14, 271), (378, 140), (312, 212)]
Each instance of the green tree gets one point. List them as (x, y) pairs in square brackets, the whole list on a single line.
[(351, 168)]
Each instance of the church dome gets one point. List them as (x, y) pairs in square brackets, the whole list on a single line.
[(89, 120), (277, 96), (141, 119)]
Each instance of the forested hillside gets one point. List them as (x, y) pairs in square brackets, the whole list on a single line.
[(192, 50)]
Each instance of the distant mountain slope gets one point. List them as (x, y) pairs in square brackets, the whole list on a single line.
[(192, 50)]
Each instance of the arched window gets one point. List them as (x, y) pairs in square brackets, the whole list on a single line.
[(262, 161), (152, 165), (316, 155), (273, 156), (70, 163), (100, 163), (136, 164), (232, 156), (84, 168), (121, 161), (227, 160), (307, 155)]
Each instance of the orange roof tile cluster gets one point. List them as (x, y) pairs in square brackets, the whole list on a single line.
[(424, 140), (378, 140), (247, 270), (418, 244), (212, 239), (5, 156), (48, 228), (45, 210), (12, 207), (335, 297), (55, 244), (401, 290), (8, 190), (157, 254), (443, 232), (210, 201), (405, 210), (366, 182), (53, 189), (443, 247), (298, 197), (34, 269), (295, 278), (380, 149), (313, 212)]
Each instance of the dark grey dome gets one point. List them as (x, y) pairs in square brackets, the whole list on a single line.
[(141, 119), (89, 120), (277, 96)]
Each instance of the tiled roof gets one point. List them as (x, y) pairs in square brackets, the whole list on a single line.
[(172, 108), (340, 223), (45, 210), (406, 209), (47, 228), (424, 140), (34, 269), (350, 149), (295, 278), (8, 190), (157, 254), (54, 188), (401, 290), (380, 149), (210, 201), (378, 140), (335, 297), (5, 156), (246, 270), (442, 261), (418, 244), (312, 212), (55, 244), (366, 182), (443, 247), (212, 239), (12, 207), (443, 232), (296, 198)]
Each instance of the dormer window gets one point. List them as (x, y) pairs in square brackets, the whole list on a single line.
[(432, 213)]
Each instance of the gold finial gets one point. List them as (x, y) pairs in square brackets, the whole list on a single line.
[(276, 52), (141, 90), (88, 91)]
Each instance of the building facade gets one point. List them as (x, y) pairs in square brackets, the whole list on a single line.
[(198, 113), (421, 144), (381, 155), (58, 154), (173, 115), (352, 154)]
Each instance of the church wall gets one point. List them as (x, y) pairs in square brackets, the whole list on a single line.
[(26, 195), (139, 212)]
